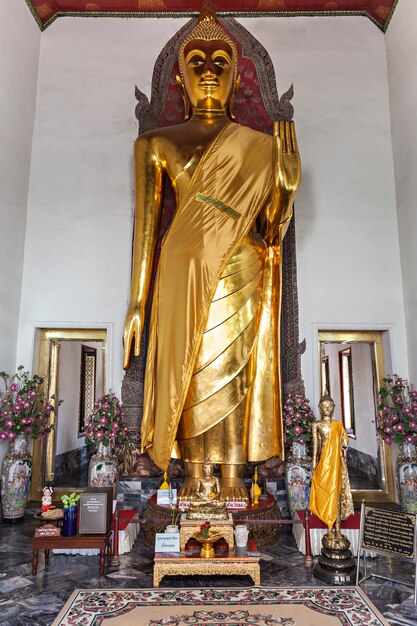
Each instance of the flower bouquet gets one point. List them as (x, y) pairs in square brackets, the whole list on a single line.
[(298, 420), (205, 529), (397, 418), (71, 500), (207, 538), (24, 409), (106, 424), (70, 503)]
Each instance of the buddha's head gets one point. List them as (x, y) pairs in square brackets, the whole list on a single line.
[(326, 406), (208, 64), (207, 468)]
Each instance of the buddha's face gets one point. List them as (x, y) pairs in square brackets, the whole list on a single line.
[(208, 73), (207, 471), (326, 408)]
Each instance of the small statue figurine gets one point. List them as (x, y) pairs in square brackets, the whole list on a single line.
[(330, 496), (256, 490), (206, 501), (46, 499)]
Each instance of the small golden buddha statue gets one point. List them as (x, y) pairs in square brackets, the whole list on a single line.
[(206, 502), (330, 496)]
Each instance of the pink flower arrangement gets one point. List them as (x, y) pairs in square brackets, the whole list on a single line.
[(397, 418), (205, 529), (106, 424), (23, 407), (298, 418)]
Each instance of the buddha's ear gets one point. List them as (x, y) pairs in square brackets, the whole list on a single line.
[(187, 108), (231, 104)]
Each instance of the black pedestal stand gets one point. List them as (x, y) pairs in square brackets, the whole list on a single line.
[(336, 565)]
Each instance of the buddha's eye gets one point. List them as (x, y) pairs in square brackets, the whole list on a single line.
[(195, 59), (221, 59), (220, 62)]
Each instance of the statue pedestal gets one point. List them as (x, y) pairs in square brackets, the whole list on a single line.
[(189, 527), (335, 565), (156, 518)]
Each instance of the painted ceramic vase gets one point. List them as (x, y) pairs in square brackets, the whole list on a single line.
[(69, 526), (298, 477), (407, 477), (103, 469), (16, 472)]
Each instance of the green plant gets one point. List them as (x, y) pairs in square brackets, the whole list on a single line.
[(176, 514), (70, 500)]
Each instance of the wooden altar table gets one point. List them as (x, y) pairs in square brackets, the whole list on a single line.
[(102, 542)]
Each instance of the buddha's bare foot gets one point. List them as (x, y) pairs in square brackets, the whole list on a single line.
[(189, 488), (233, 490)]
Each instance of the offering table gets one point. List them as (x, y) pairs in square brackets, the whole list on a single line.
[(185, 565), (102, 542)]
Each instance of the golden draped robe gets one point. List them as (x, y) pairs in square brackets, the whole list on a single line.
[(330, 483), (213, 355)]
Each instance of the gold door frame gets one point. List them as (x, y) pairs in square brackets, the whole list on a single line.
[(375, 337), (47, 368)]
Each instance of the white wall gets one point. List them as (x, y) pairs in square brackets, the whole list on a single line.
[(401, 44), (77, 261), (347, 239), (78, 245), (19, 56)]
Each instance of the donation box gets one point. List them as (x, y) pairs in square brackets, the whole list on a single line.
[(96, 509)]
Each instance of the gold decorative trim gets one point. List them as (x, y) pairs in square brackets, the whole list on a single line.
[(390, 14), (218, 204), (182, 14), (43, 453), (387, 492), (35, 14), (173, 566)]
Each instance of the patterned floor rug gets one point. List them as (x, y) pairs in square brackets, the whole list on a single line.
[(260, 606)]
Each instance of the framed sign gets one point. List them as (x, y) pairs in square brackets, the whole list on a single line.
[(389, 532), (167, 542)]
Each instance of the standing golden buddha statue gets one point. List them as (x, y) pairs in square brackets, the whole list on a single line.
[(330, 496), (212, 381)]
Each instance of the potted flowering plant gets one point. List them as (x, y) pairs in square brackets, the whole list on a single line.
[(106, 426), (24, 411), (397, 418), (396, 422), (298, 421)]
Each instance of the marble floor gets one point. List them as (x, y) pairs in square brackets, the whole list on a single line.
[(27, 600)]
